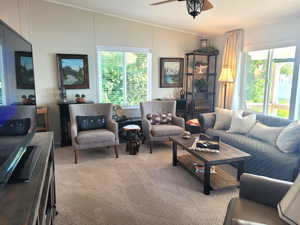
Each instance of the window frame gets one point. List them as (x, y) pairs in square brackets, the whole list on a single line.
[(294, 108), (147, 51)]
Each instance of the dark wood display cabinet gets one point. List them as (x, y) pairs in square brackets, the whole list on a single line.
[(201, 74)]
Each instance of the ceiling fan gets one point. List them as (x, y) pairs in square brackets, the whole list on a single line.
[(194, 7)]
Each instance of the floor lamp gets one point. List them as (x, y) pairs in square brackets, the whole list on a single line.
[(226, 78)]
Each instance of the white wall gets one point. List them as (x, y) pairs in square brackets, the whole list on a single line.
[(269, 36), (56, 29)]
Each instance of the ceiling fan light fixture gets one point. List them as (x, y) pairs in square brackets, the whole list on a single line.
[(194, 7)]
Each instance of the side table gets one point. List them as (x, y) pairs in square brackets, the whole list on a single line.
[(132, 138)]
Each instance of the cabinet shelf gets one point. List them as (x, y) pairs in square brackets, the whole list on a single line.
[(203, 101), (202, 74)]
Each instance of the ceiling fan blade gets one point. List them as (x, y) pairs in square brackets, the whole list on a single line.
[(207, 5), (163, 2)]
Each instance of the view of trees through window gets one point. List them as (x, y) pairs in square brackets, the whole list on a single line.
[(269, 81), (124, 77)]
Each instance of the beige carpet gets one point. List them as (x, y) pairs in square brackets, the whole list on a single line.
[(133, 190)]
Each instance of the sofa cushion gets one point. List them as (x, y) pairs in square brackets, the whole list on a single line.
[(240, 124), (265, 133), (247, 210), (289, 139), (163, 130), (272, 121), (95, 136), (266, 159), (223, 119), (216, 133)]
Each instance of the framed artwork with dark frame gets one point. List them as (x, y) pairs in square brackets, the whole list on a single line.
[(73, 71), (171, 72), (24, 70)]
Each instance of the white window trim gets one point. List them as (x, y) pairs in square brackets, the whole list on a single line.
[(294, 110), (124, 49)]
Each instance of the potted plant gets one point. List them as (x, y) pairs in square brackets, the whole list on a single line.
[(201, 85), (80, 99), (24, 99)]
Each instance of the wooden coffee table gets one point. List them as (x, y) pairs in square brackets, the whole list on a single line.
[(227, 155)]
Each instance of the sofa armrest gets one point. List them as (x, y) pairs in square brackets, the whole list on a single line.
[(207, 120), (179, 121), (263, 190), (112, 126)]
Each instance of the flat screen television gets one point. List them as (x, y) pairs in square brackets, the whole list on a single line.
[(17, 99)]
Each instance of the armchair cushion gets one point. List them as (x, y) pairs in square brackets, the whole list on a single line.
[(102, 136), (85, 123), (164, 130), (247, 210)]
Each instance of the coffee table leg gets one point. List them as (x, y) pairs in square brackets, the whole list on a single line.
[(240, 170), (207, 180), (175, 161)]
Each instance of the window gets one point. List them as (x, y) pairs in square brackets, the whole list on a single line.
[(124, 75), (269, 81)]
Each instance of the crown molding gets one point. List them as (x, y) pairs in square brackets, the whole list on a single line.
[(127, 18)]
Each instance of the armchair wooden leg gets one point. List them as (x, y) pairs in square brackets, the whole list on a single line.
[(76, 156), (150, 145), (116, 151)]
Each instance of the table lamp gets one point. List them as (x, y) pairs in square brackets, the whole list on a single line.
[(289, 206), (226, 77)]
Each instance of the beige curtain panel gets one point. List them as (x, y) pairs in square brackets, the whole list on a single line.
[(231, 59)]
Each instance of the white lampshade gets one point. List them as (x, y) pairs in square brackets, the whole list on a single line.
[(289, 206), (226, 75)]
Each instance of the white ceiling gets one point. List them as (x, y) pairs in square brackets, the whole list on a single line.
[(226, 15)]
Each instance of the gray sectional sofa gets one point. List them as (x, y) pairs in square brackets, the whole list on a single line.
[(266, 159)]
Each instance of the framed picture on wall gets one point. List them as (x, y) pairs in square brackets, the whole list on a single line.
[(171, 72), (73, 71), (24, 70)]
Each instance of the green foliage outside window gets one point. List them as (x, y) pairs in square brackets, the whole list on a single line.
[(124, 78), (256, 81)]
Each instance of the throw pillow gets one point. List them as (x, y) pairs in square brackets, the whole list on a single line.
[(160, 118), (15, 127), (289, 139), (223, 119), (85, 123), (240, 124), (265, 133), (154, 118), (166, 118)]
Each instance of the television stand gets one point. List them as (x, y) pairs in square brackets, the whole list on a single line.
[(32, 202), (24, 170)]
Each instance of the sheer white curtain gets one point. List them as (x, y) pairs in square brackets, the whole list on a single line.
[(232, 56)]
